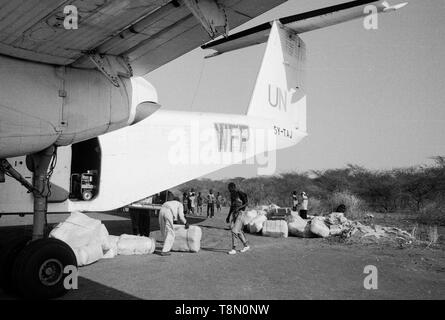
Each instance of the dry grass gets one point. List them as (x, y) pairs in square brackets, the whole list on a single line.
[(433, 235), (432, 214)]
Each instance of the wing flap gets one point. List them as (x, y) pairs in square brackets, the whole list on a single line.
[(300, 23)]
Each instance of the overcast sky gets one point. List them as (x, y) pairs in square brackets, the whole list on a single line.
[(375, 98)]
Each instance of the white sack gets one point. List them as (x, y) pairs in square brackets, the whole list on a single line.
[(88, 254), (110, 254), (103, 235), (256, 225), (275, 228), (319, 228), (249, 216), (187, 240), (112, 251), (78, 230), (335, 230), (300, 228), (135, 245)]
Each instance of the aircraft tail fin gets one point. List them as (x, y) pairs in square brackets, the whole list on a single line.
[(279, 92)]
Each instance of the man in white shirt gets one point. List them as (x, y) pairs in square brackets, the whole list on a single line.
[(192, 199), (304, 204), (170, 211)]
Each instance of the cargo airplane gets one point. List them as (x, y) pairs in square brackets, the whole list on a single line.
[(81, 129)]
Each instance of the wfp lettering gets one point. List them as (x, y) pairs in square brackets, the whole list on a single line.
[(232, 137)]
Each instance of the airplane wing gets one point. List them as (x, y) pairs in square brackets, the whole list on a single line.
[(301, 23), (149, 33)]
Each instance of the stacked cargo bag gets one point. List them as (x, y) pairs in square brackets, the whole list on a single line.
[(135, 245), (112, 252), (187, 240), (87, 237), (248, 216), (298, 227), (319, 228), (88, 254), (275, 228), (256, 225), (104, 238), (77, 230)]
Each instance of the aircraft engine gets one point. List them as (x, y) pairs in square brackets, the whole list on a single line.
[(42, 105)]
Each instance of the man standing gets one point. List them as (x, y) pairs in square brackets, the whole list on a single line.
[(185, 202), (210, 204), (192, 199), (170, 211), (304, 205), (199, 203), (294, 201), (238, 203), (218, 202)]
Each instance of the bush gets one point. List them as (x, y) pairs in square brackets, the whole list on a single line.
[(317, 207), (355, 207), (432, 214)]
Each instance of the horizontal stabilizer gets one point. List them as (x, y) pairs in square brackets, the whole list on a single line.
[(301, 23)]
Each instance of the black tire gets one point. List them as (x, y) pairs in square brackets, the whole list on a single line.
[(38, 257), (8, 255), (87, 195)]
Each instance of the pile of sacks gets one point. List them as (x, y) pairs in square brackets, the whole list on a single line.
[(334, 224), (255, 221), (90, 241)]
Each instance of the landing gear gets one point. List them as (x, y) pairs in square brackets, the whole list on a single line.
[(34, 267), (38, 271), (8, 255)]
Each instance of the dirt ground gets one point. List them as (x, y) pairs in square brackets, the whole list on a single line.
[(290, 268)]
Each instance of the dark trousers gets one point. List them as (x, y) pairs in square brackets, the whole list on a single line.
[(303, 214), (210, 210), (140, 220)]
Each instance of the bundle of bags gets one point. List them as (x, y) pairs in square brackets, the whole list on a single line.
[(128, 245), (187, 240), (275, 228), (90, 241), (253, 220), (87, 237), (334, 224)]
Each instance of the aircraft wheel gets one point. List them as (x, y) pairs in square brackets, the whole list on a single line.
[(8, 255), (39, 269), (87, 195)]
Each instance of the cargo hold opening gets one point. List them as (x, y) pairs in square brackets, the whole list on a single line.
[(85, 170)]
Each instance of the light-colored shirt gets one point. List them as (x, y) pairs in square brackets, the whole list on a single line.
[(177, 210), (304, 203)]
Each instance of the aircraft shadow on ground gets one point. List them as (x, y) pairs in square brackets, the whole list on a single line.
[(87, 290), (92, 290)]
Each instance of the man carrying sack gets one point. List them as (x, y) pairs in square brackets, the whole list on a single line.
[(170, 211)]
